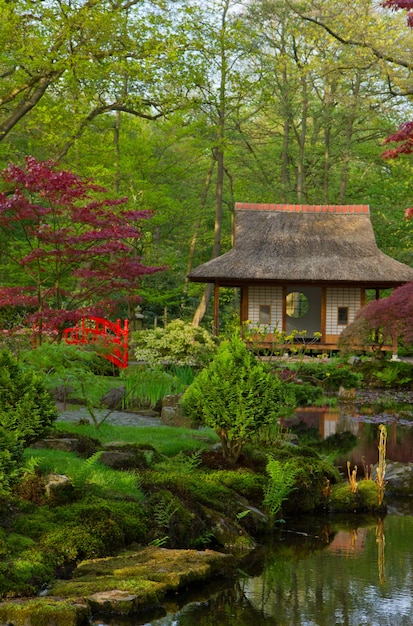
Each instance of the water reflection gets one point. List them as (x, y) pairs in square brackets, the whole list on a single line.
[(317, 572), (364, 425)]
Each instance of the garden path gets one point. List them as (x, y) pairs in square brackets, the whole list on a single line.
[(118, 418)]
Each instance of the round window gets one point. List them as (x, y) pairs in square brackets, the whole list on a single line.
[(297, 304)]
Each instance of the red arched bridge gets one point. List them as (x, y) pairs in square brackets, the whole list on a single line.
[(113, 337)]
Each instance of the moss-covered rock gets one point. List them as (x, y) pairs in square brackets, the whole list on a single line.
[(136, 581), (44, 612), (342, 499)]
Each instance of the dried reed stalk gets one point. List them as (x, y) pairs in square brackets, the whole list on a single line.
[(381, 468), (352, 477)]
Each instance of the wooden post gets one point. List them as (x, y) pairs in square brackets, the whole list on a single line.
[(216, 309), (323, 320), (394, 356)]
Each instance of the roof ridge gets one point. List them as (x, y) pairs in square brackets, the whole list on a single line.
[(305, 208)]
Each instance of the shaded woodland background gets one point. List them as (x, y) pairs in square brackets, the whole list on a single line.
[(186, 107)]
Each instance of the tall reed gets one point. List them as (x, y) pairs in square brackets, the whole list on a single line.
[(352, 477), (381, 468)]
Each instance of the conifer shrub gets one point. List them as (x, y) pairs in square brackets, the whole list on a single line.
[(26, 414), (236, 395)]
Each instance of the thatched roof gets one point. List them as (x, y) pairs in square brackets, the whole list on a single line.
[(303, 244)]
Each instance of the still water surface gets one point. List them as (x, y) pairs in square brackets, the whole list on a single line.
[(335, 571), (350, 571)]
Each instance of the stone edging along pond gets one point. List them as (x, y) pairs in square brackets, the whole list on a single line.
[(128, 584)]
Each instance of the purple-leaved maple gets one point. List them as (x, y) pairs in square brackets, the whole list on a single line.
[(404, 135), (383, 321), (74, 249)]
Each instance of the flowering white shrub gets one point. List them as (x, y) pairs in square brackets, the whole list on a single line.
[(177, 344)]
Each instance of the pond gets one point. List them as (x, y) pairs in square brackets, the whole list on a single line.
[(362, 417), (323, 571), (352, 571)]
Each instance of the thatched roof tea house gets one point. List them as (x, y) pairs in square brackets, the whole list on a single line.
[(302, 267)]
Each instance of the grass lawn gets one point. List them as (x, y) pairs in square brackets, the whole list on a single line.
[(168, 440)]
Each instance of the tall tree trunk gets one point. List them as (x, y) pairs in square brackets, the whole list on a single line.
[(219, 157), (116, 142), (301, 137), (349, 138), (329, 100), (216, 249), (194, 238)]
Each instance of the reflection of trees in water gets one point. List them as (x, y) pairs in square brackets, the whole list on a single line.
[(347, 570), (230, 607), (313, 585)]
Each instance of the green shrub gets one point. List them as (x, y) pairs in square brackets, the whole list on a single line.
[(236, 395), (177, 344), (306, 394), (26, 414), (391, 374), (329, 376)]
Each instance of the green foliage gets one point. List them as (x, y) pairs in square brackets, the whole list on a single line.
[(88, 475), (177, 344), (26, 414), (146, 386), (329, 376), (168, 441), (282, 478), (390, 374), (236, 395), (306, 394), (60, 360), (75, 370)]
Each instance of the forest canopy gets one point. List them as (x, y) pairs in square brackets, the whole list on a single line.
[(186, 107)]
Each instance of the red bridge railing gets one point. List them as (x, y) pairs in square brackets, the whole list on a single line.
[(113, 336)]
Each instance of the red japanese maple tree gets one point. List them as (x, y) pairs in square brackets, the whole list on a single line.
[(404, 135), (383, 321), (71, 249)]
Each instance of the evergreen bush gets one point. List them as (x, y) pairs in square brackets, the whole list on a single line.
[(236, 395), (26, 414)]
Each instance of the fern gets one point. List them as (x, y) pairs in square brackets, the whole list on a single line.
[(82, 473), (280, 485)]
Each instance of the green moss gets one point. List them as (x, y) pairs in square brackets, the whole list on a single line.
[(148, 573), (365, 499), (43, 612), (245, 482)]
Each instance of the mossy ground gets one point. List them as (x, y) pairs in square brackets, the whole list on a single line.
[(192, 500), (342, 499)]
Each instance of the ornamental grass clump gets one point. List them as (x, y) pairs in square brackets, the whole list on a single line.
[(236, 395)]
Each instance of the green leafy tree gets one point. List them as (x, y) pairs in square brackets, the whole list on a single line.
[(27, 412), (65, 64), (236, 395)]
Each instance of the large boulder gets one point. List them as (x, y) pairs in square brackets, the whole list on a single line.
[(399, 479), (113, 398), (172, 414)]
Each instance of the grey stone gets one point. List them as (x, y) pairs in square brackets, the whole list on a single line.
[(399, 478), (113, 398)]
